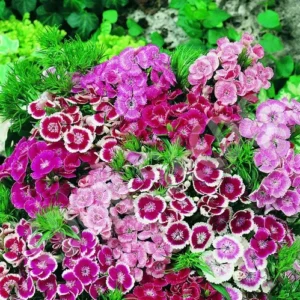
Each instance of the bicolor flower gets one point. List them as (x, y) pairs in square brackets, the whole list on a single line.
[(201, 237), (242, 222), (86, 270), (232, 187), (177, 234)]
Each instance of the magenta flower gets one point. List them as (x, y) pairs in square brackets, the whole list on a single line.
[(73, 284), (23, 229), (86, 270), (26, 288), (220, 222), (226, 92), (289, 204), (48, 287), (202, 188), (105, 258), (148, 291), (234, 293), (262, 243), (177, 234), (201, 237), (109, 146), (149, 175), (119, 277), (232, 187), (247, 280), (14, 247), (78, 139), (44, 163), (8, 284), (202, 145), (98, 287), (252, 261), (212, 205), (262, 197), (169, 216), (186, 207), (277, 183), (206, 170), (276, 229), (242, 222), (51, 129), (42, 266), (148, 208), (227, 249)]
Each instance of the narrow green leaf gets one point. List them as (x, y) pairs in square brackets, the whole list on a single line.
[(222, 290)]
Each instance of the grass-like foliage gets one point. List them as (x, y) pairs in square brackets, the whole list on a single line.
[(132, 143), (118, 161), (51, 221), (240, 158), (112, 295), (181, 59), (171, 154), (190, 260), (5, 204)]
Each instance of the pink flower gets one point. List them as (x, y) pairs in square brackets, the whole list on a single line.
[(42, 266), (242, 222), (81, 198), (226, 92), (252, 261), (266, 159), (149, 175), (289, 203), (148, 208), (51, 129), (119, 277), (177, 234), (48, 287), (101, 194), (109, 146), (105, 258), (247, 280), (86, 270), (262, 197), (201, 237), (277, 183), (249, 128), (37, 108), (186, 206), (78, 139), (14, 247), (98, 287), (227, 249), (159, 250), (271, 111), (127, 229), (206, 170), (232, 187), (97, 220), (262, 243)]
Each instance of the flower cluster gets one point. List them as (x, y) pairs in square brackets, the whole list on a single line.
[(273, 127), (149, 204)]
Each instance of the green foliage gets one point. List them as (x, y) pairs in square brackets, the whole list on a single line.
[(291, 89), (287, 290), (284, 66), (271, 43), (171, 154), (203, 20), (118, 161), (222, 290), (181, 59), (132, 143), (268, 19), (190, 260), (134, 29), (240, 158), (114, 3), (5, 204), (24, 6), (157, 39), (51, 221), (112, 295)]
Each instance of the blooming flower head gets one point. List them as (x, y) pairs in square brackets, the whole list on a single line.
[(289, 203), (86, 270), (227, 249), (201, 237), (232, 187), (242, 222), (119, 277), (177, 234), (263, 244)]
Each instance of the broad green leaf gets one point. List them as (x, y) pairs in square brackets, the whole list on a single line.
[(2, 7), (192, 13), (77, 5), (221, 289), (49, 18), (191, 28), (271, 43), (114, 3), (105, 28), (110, 16), (178, 4), (268, 19), (232, 34), (214, 34), (23, 6), (215, 18), (157, 39), (285, 66), (7, 45), (84, 22), (134, 29)]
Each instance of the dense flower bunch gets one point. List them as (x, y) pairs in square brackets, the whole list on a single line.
[(135, 168)]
